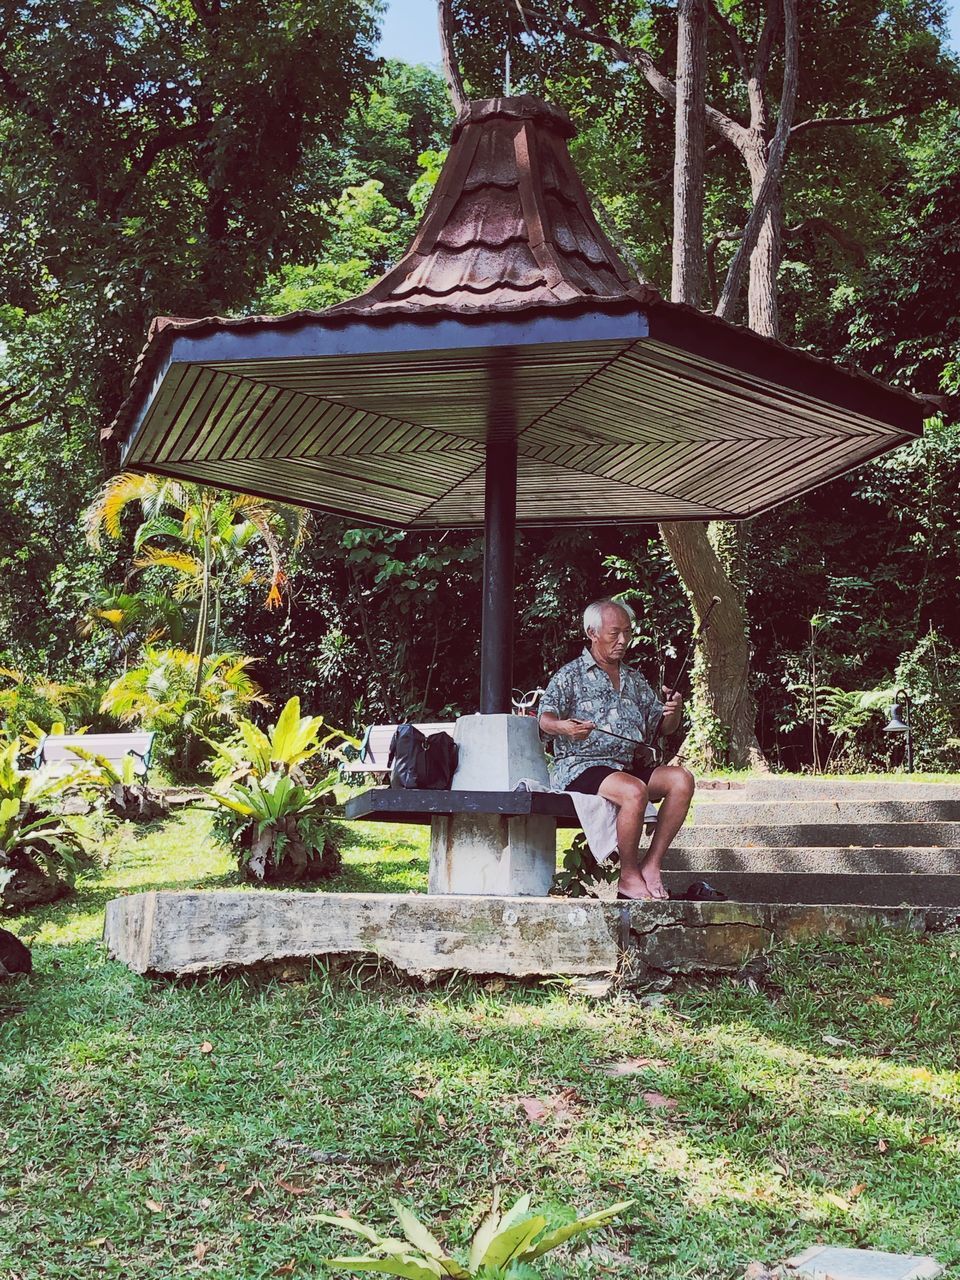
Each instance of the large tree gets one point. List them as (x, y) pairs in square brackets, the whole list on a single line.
[(154, 158), (764, 78)]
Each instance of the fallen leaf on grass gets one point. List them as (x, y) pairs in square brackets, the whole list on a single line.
[(836, 1042), (199, 1251), (248, 1191), (442, 1120), (837, 1201), (759, 1271), (559, 1105), (928, 1139), (856, 1191), (658, 1101), (534, 1108), (221, 1167), (420, 1093), (96, 1242), (629, 1066), (287, 1269), (884, 1001), (206, 1047), (154, 1206), (293, 1188), (881, 1145)]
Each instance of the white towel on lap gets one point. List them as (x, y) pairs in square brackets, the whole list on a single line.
[(596, 815)]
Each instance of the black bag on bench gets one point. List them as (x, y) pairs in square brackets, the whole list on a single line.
[(421, 762)]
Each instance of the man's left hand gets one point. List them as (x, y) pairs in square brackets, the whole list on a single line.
[(672, 705)]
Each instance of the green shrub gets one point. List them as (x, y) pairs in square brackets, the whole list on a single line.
[(184, 701), (502, 1247), (40, 854), (279, 821)]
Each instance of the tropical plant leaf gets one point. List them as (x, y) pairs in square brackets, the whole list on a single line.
[(352, 1225), (519, 1210), (408, 1268), (553, 1239), (487, 1229), (416, 1232), (511, 1243)]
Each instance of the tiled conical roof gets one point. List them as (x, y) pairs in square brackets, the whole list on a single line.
[(509, 226)]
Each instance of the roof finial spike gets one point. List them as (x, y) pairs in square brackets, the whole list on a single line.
[(506, 74)]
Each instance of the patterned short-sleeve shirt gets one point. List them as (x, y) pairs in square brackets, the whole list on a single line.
[(582, 690)]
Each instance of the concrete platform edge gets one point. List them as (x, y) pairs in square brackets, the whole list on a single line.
[(179, 933)]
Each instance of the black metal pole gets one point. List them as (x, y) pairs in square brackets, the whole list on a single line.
[(499, 550)]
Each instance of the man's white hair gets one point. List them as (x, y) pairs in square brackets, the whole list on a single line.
[(593, 614)]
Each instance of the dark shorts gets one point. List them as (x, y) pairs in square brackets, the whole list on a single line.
[(589, 781)]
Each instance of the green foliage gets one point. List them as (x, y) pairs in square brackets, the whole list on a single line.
[(120, 793), (205, 537), (33, 837), (284, 748), (501, 1248), (279, 822), (580, 873), (183, 699), (32, 705)]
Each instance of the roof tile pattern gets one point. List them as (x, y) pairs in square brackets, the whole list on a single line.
[(509, 226)]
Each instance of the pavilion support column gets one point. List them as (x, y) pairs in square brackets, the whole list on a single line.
[(499, 554)]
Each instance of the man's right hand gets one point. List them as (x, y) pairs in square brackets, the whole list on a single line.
[(577, 729)]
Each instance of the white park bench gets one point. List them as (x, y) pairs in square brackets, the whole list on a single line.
[(54, 751)]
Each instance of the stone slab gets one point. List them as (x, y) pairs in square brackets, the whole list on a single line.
[(170, 933), (829, 788), (871, 861), (842, 835), (891, 890), (843, 810), (822, 1260)]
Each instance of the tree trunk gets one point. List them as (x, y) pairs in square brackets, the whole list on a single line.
[(762, 314), (723, 710), (724, 715), (689, 129)]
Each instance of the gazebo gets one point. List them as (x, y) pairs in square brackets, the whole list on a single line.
[(509, 370)]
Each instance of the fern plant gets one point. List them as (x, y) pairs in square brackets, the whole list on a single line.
[(122, 792), (40, 854), (502, 1248), (278, 819)]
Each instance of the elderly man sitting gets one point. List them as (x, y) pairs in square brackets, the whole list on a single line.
[(599, 691)]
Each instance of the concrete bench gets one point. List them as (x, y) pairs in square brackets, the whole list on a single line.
[(482, 840), (54, 751)]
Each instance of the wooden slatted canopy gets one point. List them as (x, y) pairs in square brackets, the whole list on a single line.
[(509, 367)]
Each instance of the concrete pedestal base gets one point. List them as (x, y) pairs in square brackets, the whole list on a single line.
[(492, 855), (487, 853)]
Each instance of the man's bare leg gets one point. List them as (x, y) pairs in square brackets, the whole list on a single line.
[(629, 794), (672, 787)]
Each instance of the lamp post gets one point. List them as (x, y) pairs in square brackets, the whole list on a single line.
[(900, 722)]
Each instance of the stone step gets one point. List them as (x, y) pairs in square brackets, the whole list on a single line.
[(819, 835), (845, 810), (829, 788), (891, 890), (816, 861)]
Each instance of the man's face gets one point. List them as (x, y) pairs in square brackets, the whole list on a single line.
[(611, 642)]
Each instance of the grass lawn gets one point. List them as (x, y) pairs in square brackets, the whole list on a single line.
[(165, 1129)]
